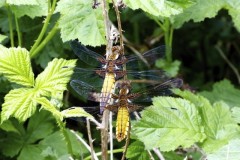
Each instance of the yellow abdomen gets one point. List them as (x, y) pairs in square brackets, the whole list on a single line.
[(107, 89), (122, 125)]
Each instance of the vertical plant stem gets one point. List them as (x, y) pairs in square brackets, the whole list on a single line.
[(18, 32), (168, 39), (90, 139), (66, 136), (46, 22), (105, 118), (10, 25), (111, 136), (45, 41)]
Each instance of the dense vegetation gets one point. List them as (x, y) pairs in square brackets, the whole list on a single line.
[(202, 47)]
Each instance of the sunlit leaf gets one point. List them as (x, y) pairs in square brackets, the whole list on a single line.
[(19, 104), (76, 112), (15, 64), (169, 123), (35, 10), (228, 152), (235, 114), (49, 107), (164, 8), (229, 94), (219, 126), (80, 20), (22, 2), (55, 77)]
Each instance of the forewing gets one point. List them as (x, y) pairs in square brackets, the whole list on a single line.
[(147, 59), (87, 56)]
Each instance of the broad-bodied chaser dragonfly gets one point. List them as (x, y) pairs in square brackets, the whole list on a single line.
[(126, 101), (110, 69)]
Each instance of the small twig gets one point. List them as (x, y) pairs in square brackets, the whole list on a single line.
[(84, 143), (158, 153), (99, 153), (90, 139), (150, 154), (127, 142), (229, 63), (18, 31), (99, 125)]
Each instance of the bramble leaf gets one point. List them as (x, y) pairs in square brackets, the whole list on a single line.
[(229, 94), (49, 107), (230, 151), (80, 20), (19, 104), (15, 65), (169, 123), (219, 126), (75, 112), (22, 2), (136, 151), (55, 77), (164, 8), (34, 10)]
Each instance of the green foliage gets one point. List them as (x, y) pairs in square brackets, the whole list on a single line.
[(171, 68), (136, 151), (75, 112), (173, 122), (203, 9), (164, 8), (16, 66), (169, 123), (224, 91), (33, 8), (80, 20)]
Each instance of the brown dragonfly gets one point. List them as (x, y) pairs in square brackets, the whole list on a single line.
[(126, 101), (108, 70)]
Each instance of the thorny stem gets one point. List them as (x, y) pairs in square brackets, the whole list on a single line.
[(228, 62), (10, 25), (90, 139), (18, 31), (111, 135), (50, 13), (45, 41)]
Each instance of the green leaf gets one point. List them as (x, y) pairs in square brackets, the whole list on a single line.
[(169, 123), (199, 11), (171, 68), (136, 151), (229, 94), (2, 38), (30, 152), (15, 64), (219, 126), (76, 112), (228, 152), (9, 127), (235, 114), (19, 104), (46, 104), (22, 2), (164, 8), (233, 7), (80, 20), (40, 125), (57, 144), (55, 77), (37, 10)]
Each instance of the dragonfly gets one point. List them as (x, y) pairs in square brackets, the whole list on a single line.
[(126, 101), (110, 69)]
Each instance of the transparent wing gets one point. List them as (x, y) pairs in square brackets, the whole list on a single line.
[(86, 55), (150, 56)]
